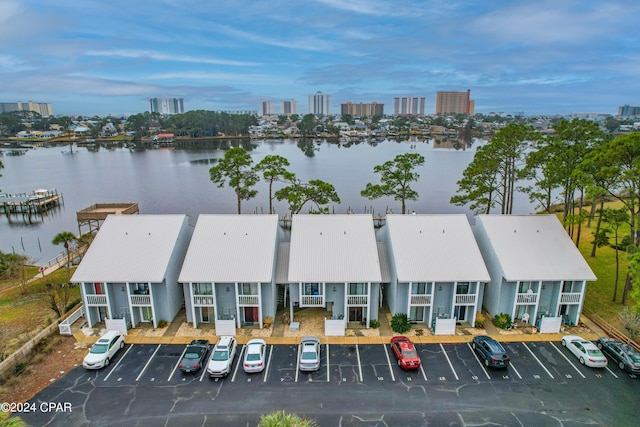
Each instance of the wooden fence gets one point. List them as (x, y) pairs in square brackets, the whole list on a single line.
[(609, 329)]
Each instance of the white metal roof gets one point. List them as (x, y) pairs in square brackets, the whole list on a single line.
[(231, 248), (131, 248), (333, 248), (435, 248), (534, 247)]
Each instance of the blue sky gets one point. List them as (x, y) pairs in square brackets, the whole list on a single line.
[(539, 57)]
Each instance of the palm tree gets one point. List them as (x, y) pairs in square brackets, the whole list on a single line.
[(65, 238)]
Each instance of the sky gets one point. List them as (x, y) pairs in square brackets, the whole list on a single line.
[(91, 57)]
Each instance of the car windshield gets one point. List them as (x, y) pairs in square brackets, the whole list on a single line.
[(219, 355), (409, 354), (308, 355), (252, 357), (99, 348), (594, 352)]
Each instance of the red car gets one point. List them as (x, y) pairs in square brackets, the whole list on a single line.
[(405, 352)]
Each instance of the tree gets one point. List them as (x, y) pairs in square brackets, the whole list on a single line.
[(479, 184), (615, 218), (308, 124), (235, 171), (273, 168), (316, 191), (65, 238), (58, 296), (396, 177)]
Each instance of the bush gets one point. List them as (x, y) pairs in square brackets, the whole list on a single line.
[(480, 320), (284, 419), (400, 323), (163, 324), (374, 324), (72, 304), (502, 320)]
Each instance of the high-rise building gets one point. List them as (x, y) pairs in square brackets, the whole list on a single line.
[(289, 107), (362, 110), (628, 111), (408, 106), (267, 108), (43, 109), (166, 105), (319, 104), (452, 103)]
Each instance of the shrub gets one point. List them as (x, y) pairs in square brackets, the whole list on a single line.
[(480, 320), (400, 323), (163, 324), (72, 304), (374, 324), (502, 320), (284, 419)]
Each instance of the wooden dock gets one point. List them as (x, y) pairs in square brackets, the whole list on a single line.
[(30, 205), (93, 215)]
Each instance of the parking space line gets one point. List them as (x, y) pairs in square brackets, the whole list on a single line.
[(266, 374), (298, 361), (538, 360), (327, 362), (235, 371), (478, 360), (116, 365), (607, 368), (515, 370), (177, 363), (204, 368), (359, 365), (449, 361), (148, 361), (422, 370), (567, 359), (386, 353)]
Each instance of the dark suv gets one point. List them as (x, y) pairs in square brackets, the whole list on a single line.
[(491, 351)]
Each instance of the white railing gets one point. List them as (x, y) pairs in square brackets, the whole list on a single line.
[(140, 299), (570, 297), (357, 299), (526, 298), (248, 300), (65, 325), (94, 299), (421, 299), (312, 301), (466, 299), (200, 300)]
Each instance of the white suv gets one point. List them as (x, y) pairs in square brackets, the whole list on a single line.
[(222, 357), (103, 350)]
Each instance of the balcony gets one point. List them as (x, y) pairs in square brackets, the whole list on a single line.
[(421, 299), (312, 301), (570, 297), (526, 298), (357, 299), (93, 299), (466, 299), (140, 299), (203, 300), (252, 300)]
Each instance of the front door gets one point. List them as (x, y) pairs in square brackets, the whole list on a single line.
[(251, 314), (461, 313), (146, 313), (356, 314), (207, 314)]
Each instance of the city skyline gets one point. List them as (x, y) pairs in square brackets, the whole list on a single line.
[(515, 56)]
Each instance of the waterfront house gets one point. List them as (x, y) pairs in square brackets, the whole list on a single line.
[(333, 264), (437, 273), (130, 271), (537, 273), (229, 271)]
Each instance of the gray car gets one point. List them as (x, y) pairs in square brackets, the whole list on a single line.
[(309, 354), (194, 356)]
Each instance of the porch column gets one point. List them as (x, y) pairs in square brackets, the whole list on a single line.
[(368, 304), (106, 292), (87, 309), (193, 308), (453, 300), (409, 300), (475, 306), (260, 304), (515, 301), (346, 303), (535, 308), (237, 307), (582, 294), (131, 312), (433, 301), (291, 303), (153, 307)]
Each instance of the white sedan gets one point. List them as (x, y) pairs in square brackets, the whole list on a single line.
[(103, 350), (586, 351), (254, 356)]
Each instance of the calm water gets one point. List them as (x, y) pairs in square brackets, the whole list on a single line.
[(177, 181)]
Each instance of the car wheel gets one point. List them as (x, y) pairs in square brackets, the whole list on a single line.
[(582, 360), (106, 362), (564, 343), (621, 365), (486, 362)]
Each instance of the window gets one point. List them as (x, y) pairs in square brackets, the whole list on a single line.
[(357, 289), (202, 289), (418, 288), (462, 288), (248, 288), (141, 288), (311, 289), (570, 286), (524, 287)]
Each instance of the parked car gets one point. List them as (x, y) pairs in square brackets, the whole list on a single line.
[(309, 354), (627, 357), (194, 356), (490, 351), (254, 356), (585, 351), (222, 357), (405, 352), (103, 350)]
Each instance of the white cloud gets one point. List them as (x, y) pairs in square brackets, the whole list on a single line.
[(159, 56)]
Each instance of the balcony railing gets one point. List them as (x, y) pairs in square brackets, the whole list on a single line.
[(93, 299), (466, 299), (248, 300), (421, 299), (140, 299), (200, 300), (526, 298), (570, 297), (357, 299), (312, 301)]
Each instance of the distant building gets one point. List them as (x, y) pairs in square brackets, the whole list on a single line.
[(289, 107), (319, 104), (628, 111), (166, 105), (43, 109), (362, 110), (452, 103), (408, 106), (267, 108)]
